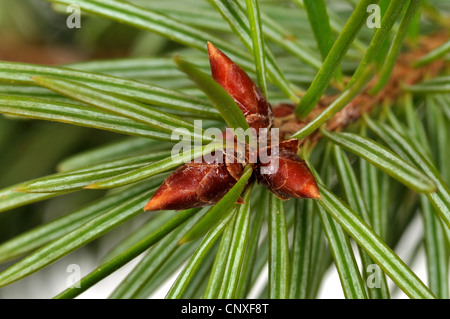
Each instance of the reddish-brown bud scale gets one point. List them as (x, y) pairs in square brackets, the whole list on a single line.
[(283, 110), (240, 86), (195, 185), (291, 145), (287, 175)]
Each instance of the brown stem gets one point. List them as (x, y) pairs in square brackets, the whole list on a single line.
[(403, 74)]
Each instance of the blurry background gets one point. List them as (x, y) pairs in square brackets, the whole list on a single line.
[(30, 31)]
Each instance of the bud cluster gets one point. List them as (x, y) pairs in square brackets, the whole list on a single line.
[(276, 165)]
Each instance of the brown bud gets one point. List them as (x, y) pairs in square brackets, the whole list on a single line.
[(195, 185), (287, 175), (240, 86)]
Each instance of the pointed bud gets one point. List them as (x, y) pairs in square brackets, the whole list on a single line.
[(195, 185), (240, 86), (287, 174)]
